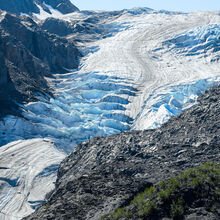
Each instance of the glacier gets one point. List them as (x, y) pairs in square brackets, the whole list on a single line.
[(201, 41), (86, 106), (28, 170), (146, 67)]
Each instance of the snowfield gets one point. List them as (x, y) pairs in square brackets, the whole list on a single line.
[(150, 66), (27, 174)]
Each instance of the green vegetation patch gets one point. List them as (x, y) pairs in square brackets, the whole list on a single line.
[(195, 187)]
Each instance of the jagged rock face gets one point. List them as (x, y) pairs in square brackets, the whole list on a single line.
[(27, 55), (64, 6), (106, 172), (62, 28), (31, 6), (19, 6), (57, 26)]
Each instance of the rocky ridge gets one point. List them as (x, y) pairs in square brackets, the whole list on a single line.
[(28, 54), (107, 172), (30, 7), (89, 26)]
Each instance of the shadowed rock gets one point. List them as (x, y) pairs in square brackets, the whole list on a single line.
[(30, 7), (27, 55)]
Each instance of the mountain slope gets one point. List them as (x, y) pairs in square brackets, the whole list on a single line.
[(28, 54), (34, 6), (105, 173), (192, 194)]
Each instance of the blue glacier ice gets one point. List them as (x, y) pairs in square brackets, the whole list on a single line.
[(89, 104), (169, 101), (86, 105), (198, 41), (94, 105)]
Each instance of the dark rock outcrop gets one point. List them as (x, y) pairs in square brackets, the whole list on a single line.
[(57, 26), (106, 172), (31, 6), (62, 28), (28, 54), (91, 26), (64, 6)]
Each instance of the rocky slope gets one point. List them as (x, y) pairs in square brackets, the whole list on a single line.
[(85, 26), (195, 190), (106, 172), (30, 7), (28, 54)]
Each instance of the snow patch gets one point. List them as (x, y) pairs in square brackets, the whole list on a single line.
[(43, 14)]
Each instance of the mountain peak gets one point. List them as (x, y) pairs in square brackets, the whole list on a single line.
[(34, 6)]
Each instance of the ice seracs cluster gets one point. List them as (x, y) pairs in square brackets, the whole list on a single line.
[(201, 41), (86, 106), (170, 101)]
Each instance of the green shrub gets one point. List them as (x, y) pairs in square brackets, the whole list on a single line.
[(177, 209), (170, 196), (120, 213)]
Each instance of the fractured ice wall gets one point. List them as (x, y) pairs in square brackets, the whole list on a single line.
[(170, 101), (87, 105), (201, 41)]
